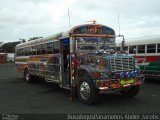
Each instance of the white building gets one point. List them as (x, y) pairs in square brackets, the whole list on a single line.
[(10, 57)]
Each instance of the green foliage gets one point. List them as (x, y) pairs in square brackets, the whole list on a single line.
[(9, 47), (34, 38), (1, 43)]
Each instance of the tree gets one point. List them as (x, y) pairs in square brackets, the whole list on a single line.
[(22, 40), (9, 47), (34, 38), (1, 43)]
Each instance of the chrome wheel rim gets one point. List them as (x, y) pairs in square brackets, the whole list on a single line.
[(27, 76), (85, 90)]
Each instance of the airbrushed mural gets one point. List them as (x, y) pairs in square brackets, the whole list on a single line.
[(83, 60)]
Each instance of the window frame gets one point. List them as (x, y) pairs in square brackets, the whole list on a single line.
[(139, 51), (56, 49), (151, 48)]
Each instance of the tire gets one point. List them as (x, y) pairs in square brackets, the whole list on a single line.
[(130, 92), (27, 77), (86, 91)]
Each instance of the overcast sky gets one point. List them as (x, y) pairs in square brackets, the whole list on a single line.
[(29, 18)]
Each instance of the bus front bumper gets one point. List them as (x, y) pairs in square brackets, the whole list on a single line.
[(118, 84)]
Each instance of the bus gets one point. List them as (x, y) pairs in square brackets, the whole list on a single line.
[(147, 54), (82, 60)]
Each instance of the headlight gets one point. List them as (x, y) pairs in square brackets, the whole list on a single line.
[(128, 74), (133, 73), (122, 75), (136, 73), (99, 74)]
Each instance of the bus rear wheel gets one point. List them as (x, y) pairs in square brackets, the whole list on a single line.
[(86, 91), (27, 76), (130, 92)]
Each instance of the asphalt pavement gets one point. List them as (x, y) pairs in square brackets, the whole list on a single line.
[(17, 96)]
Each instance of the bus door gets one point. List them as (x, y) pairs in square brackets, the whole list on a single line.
[(65, 52), (53, 71)]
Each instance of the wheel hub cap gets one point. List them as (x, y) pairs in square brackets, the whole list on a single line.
[(85, 90), (27, 77)]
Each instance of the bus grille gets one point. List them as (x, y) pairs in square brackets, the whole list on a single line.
[(121, 64)]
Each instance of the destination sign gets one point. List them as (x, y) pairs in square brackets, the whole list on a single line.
[(93, 29)]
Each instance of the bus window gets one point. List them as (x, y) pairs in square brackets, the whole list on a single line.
[(20, 52), (158, 48), (23, 52), (33, 50), (151, 48), (43, 48), (27, 51), (30, 50), (38, 49), (141, 48), (132, 49), (56, 47), (49, 48), (17, 52), (118, 48)]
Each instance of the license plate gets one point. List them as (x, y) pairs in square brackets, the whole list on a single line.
[(129, 81)]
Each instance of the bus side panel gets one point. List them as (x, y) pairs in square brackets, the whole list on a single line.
[(21, 63), (149, 63)]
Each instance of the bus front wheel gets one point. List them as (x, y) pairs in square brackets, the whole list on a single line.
[(86, 91)]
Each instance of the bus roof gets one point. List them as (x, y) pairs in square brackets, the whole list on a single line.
[(43, 40), (140, 41), (80, 30)]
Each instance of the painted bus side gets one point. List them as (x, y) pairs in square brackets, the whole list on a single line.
[(82, 60)]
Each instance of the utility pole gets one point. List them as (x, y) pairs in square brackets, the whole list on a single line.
[(69, 19)]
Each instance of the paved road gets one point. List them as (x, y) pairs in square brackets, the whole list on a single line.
[(17, 96)]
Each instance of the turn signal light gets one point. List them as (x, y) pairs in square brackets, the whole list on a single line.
[(96, 74), (101, 83)]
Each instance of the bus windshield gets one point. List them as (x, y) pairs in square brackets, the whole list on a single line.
[(95, 43)]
